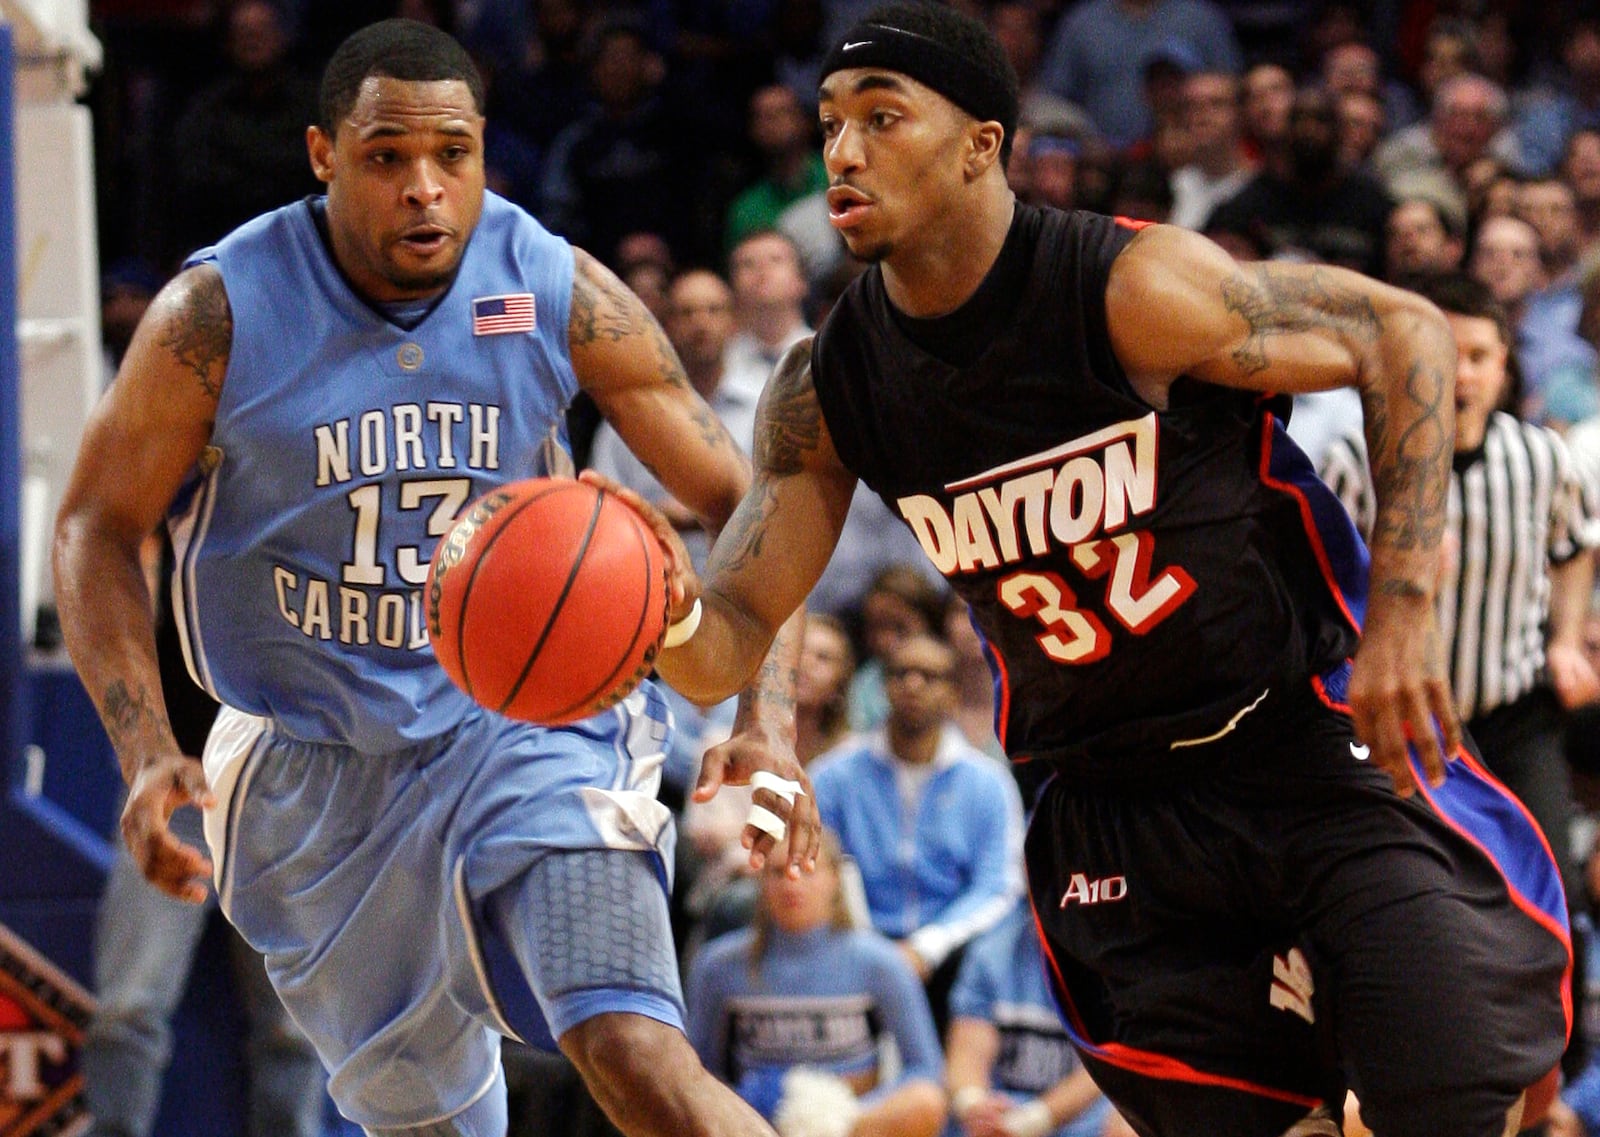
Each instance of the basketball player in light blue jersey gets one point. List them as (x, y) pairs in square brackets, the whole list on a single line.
[(308, 406)]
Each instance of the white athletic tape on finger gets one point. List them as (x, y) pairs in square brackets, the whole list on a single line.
[(678, 633), (785, 788), (768, 822)]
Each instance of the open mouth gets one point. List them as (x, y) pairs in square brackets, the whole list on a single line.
[(846, 206), (425, 239)]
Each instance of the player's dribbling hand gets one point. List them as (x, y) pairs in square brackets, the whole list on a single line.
[(753, 749), (161, 786), (1400, 691), (683, 583)]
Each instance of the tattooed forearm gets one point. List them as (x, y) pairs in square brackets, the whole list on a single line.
[(774, 684), (126, 713), (741, 540), (1273, 302), (1411, 470), (789, 423), (200, 333)]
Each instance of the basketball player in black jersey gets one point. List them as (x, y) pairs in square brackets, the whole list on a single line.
[(1263, 873)]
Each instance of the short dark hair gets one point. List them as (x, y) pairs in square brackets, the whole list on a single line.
[(967, 37), (408, 50), (1461, 295)]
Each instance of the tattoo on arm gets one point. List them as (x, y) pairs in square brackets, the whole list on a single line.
[(604, 310), (774, 684), (1273, 302), (1411, 472), (601, 305), (788, 427), (126, 712), (200, 335)]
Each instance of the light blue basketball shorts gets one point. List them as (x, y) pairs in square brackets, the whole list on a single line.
[(414, 907)]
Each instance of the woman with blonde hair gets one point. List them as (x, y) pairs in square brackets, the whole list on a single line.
[(794, 1011)]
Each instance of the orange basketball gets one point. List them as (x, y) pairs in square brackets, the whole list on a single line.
[(547, 600)]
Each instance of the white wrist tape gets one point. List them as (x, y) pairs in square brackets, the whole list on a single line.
[(785, 788), (1031, 1119), (679, 633), (767, 821)]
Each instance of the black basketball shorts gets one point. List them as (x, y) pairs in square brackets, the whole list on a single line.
[(1236, 949)]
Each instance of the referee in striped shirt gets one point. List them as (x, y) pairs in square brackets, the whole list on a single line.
[(1519, 572)]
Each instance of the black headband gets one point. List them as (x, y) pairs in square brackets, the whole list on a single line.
[(966, 83)]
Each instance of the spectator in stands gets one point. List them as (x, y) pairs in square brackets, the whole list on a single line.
[(626, 164), (1559, 368), (822, 687), (794, 1011), (239, 146), (1581, 168), (1467, 121), (1514, 596), (1268, 98), (1019, 26), (1362, 126), (900, 602), (1421, 237), (538, 82), (1319, 212), (974, 708), (1010, 1068), (1100, 48), (1051, 161), (645, 263), (769, 293), (1505, 257), (1449, 51), (1218, 167), (934, 824), (1353, 67), (783, 134), (1545, 124)]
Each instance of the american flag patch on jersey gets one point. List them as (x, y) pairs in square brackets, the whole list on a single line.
[(497, 315)]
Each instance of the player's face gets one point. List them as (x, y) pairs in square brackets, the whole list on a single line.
[(893, 149), (1480, 376), (405, 185)]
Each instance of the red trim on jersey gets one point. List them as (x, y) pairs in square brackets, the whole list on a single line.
[(1529, 908), (1148, 1063), (1132, 223), (1321, 689), (1002, 720), (1312, 533)]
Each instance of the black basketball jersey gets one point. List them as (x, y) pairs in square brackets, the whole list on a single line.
[(1141, 577)]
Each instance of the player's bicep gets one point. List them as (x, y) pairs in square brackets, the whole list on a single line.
[(152, 424), (1178, 304), (784, 531), (625, 362)]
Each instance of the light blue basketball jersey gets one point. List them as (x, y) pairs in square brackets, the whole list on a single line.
[(344, 446)]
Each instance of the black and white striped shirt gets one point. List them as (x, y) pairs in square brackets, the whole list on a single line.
[(1516, 507)]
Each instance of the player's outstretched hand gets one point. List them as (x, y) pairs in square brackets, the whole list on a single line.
[(160, 787), (783, 807), (683, 582), (1400, 691)]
